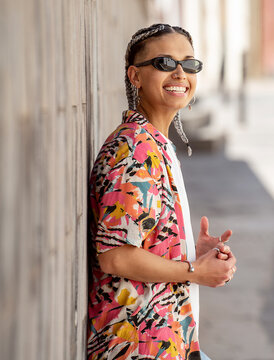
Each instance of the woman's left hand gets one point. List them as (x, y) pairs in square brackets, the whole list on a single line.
[(206, 242)]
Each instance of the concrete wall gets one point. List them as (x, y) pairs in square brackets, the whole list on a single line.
[(44, 160), (119, 20), (61, 72)]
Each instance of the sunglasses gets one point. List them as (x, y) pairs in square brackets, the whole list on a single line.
[(164, 63)]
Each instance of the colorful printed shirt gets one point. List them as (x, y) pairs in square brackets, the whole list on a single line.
[(134, 201)]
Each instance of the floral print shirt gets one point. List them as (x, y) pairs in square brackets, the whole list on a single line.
[(134, 201)]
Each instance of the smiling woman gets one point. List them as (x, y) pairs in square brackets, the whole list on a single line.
[(163, 87), (143, 286)]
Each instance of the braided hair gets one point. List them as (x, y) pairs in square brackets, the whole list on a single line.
[(136, 45)]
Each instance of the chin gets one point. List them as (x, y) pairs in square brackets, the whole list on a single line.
[(182, 105)]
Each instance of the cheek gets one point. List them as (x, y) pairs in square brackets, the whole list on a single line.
[(152, 83), (193, 82)]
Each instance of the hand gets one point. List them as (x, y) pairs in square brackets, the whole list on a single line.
[(206, 242), (211, 271)]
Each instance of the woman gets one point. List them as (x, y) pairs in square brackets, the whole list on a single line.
[(143, 290)]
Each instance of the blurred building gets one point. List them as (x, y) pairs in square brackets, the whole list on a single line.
[(234, 40), (224, 33)]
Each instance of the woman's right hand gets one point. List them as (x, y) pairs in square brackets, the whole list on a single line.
[(212, 271)]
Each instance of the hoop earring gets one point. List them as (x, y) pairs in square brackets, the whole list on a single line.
[(191, 103)]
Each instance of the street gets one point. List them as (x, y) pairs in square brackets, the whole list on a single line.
[(234, 188)]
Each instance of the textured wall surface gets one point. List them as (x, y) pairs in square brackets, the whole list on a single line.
[(118, 21), (45, 145), (61, 72)]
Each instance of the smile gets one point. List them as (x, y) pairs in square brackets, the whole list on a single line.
[(176, 89)]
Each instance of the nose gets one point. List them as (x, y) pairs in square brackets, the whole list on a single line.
[(179, 73)]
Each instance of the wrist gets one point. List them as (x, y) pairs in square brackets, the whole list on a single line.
[(191, 270)]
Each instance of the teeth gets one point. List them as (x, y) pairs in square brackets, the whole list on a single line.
[(176, 88)]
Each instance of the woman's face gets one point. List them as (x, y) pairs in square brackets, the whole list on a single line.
[(166, 90)]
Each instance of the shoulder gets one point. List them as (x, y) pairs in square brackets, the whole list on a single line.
[(141, 142), (132, 139), (130, 145)]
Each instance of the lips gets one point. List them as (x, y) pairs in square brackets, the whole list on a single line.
[(176, 89)]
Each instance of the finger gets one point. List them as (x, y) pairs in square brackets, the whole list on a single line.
[(222, 256), (226, 235), (218, 254), (204, 226), (224, 248), (232, 273), (231, 255), (231, 259)]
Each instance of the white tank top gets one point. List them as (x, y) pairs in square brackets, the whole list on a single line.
[(191, 252)]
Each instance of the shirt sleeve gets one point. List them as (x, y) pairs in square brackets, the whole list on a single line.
[(129, 205)]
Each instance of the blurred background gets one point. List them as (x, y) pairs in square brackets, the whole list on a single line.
[(62, 93)]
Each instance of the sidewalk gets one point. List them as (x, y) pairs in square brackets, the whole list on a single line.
[(235, 189)]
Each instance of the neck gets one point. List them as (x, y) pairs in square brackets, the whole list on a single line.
[(161, 120)]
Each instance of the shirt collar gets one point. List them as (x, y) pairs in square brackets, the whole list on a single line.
[(134, 116)]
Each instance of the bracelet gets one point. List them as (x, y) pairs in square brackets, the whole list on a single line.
[(190, 269)]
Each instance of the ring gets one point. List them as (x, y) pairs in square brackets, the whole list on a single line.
[(227, 280), (218, 250)]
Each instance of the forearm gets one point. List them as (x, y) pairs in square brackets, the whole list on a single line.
[(141, 265)]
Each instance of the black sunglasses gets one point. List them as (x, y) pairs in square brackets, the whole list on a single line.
[(164, 63)]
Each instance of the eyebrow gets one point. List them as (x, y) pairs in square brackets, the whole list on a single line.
[(167, 55)]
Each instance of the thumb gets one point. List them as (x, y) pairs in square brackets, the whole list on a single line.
[(226, 235), (204, 226)]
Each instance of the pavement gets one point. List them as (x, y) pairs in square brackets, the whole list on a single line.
[(234, 188)]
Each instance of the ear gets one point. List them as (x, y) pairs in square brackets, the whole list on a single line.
[(133, 75)]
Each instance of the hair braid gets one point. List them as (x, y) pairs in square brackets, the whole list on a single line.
[(138, 37), (131, 94)]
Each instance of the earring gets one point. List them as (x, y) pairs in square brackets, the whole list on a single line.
[(137, 98), (191, 103), (179, 128)]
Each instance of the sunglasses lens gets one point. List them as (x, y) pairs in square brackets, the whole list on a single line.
[(192, 66), (165, 64)]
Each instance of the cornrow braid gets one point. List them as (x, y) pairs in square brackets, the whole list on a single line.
[(138, 37), (136, 45)]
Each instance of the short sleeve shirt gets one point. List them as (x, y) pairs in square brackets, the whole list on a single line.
[(134, 200)]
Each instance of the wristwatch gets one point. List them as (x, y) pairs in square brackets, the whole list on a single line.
[(190, 269)]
